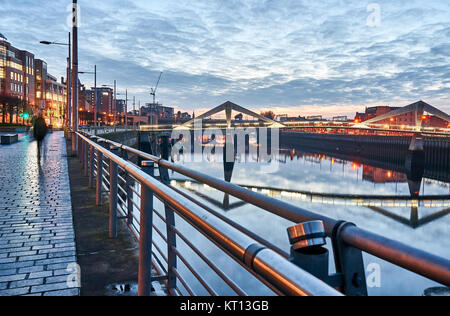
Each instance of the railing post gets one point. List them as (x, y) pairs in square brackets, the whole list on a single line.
[(73, 137), (129, 184), (349, 262), (171, 245), (170, 220), (99, 180), (113, 191), (79, 148), (85, 157), (145, 238), (91, 166)]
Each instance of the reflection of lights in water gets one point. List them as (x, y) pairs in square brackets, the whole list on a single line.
[(328, 200)]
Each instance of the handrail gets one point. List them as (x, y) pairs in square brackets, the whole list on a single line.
[(428, 265), (282, 274)]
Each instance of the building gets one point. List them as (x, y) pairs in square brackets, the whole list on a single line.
[(378, 175), (341, 118), (105, 99), (17, 77), (120, 106), (51, 95), (55, 101), (162, 112)]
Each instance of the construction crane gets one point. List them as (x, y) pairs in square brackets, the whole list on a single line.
[(153, 93)]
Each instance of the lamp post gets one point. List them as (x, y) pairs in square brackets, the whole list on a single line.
[(95, 94), (75, 75), (67, 117)]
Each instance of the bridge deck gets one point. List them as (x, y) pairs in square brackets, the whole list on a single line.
[(37, 242)]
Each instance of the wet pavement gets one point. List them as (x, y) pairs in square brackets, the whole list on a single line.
[(37, 242)]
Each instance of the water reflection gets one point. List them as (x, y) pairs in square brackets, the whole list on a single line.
[(397, 199), (386, 192)]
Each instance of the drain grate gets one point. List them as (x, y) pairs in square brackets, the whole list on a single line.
[(123, 289)]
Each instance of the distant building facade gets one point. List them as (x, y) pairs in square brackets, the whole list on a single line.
[(162, 112), (17, 74), (120, 106), (104, 101), (55, 101)]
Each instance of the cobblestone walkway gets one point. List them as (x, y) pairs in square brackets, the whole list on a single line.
[(37, 242)]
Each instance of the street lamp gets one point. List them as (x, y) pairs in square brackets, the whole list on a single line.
[(68, 116), (95, 93)]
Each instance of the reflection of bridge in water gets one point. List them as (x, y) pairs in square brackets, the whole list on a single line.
[(376, 203)]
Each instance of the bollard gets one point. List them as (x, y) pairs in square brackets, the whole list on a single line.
[(307, 251), (113, 191), (145, 238)]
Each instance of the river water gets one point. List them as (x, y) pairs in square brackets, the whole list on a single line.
[(322, 184)]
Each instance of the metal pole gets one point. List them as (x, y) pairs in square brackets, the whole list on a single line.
[(91, 166), (99, 184), (69, 85), (113, 192), (86, 158), (126, 109), (115, 104), (95, 99), (145, 238), (75, 73)]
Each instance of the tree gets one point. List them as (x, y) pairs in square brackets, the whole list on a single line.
[(8, 105), (269, 115)]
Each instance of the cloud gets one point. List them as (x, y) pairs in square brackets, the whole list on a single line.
[(286, 54)]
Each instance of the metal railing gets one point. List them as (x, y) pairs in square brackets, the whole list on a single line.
[(101, 130), (133, 195), (268, 265)]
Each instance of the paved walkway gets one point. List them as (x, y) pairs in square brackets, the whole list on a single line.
[(37, 242)]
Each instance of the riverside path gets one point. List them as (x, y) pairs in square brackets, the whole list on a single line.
[(37, 242)]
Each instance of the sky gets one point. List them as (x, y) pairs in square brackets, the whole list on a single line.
[(296, 57)]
